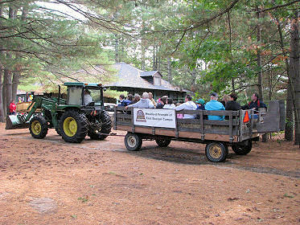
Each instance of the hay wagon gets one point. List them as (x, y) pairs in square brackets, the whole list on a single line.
[(238, 129)]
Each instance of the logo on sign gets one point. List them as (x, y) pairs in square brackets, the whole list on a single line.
[(140, 116)]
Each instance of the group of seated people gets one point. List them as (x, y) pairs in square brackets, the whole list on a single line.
[(229, 103)]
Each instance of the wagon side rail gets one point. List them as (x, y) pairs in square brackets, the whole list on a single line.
[(199, 128)]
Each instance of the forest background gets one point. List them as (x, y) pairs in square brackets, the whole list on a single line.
[(241, 46)]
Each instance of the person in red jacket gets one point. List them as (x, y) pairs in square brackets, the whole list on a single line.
[(12, 108)]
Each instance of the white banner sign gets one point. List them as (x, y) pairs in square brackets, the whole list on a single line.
[(154, 117)]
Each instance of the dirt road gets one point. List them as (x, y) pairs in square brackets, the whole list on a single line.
[(98, 182)]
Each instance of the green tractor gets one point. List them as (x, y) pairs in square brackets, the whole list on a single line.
[(81, 114)]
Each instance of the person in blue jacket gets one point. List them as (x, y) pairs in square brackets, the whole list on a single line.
[(213, 104), (123, 101)]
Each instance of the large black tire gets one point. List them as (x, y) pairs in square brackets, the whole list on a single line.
[(73, 126), (243, 148), (163, 142), (38, 127), (216, 152), (105, 128), (133, 142)]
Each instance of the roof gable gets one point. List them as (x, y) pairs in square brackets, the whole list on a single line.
[(132, 77), (150, 73)]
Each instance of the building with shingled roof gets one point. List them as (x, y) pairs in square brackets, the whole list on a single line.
[(134, 80)]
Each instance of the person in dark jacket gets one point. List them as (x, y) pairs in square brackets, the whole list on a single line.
[(200, 104), (255, 103), (123, 101), (232, 104), (162, 102)]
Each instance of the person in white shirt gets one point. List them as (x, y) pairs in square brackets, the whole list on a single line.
[(87, 98), (188, 105), (145, 102), (169, 104)]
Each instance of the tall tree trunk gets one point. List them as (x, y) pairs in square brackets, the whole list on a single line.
[(116, 48), (169, 70), (260, 86), (7, 89), (143, 57), (154, 67), (289, 125), (2, 117), (15, 83), (258, 38), (289, 128), (295, 74), (230, 48)]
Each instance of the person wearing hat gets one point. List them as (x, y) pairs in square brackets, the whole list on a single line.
[(213, 104), (200, 104)]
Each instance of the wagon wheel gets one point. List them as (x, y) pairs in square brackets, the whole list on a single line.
[(243, 148), (133, 142), (163, 142), (216, 152)]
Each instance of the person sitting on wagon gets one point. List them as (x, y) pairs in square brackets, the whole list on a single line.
[(123, 101), (145, 102), (169, 104), (162, 102), (200, 106), (152, 99), (136, 98), (213, 104), (255, 103), (232, 104), (188, 105)]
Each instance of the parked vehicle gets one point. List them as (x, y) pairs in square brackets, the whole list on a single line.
[(72, 118)]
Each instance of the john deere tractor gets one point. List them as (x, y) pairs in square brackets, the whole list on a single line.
[(81, 114)]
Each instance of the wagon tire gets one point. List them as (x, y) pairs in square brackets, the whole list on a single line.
[(73, 126), (242, 149), (216, 152), (38, 127), (163, 142), (133, 142)]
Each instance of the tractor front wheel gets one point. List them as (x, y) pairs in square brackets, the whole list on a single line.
[(73, 126), (38, 127)]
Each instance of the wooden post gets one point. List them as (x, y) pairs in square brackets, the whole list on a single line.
[(230, 128), (202, 126), (115, 117)]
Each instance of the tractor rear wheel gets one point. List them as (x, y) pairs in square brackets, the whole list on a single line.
[(105, 128), (73, 126), (38, 127)]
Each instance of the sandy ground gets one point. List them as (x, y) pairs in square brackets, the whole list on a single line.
[(98, 182)]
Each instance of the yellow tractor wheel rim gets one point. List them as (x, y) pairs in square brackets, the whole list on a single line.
[(215, 151), (70, 126), (36, 127)]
